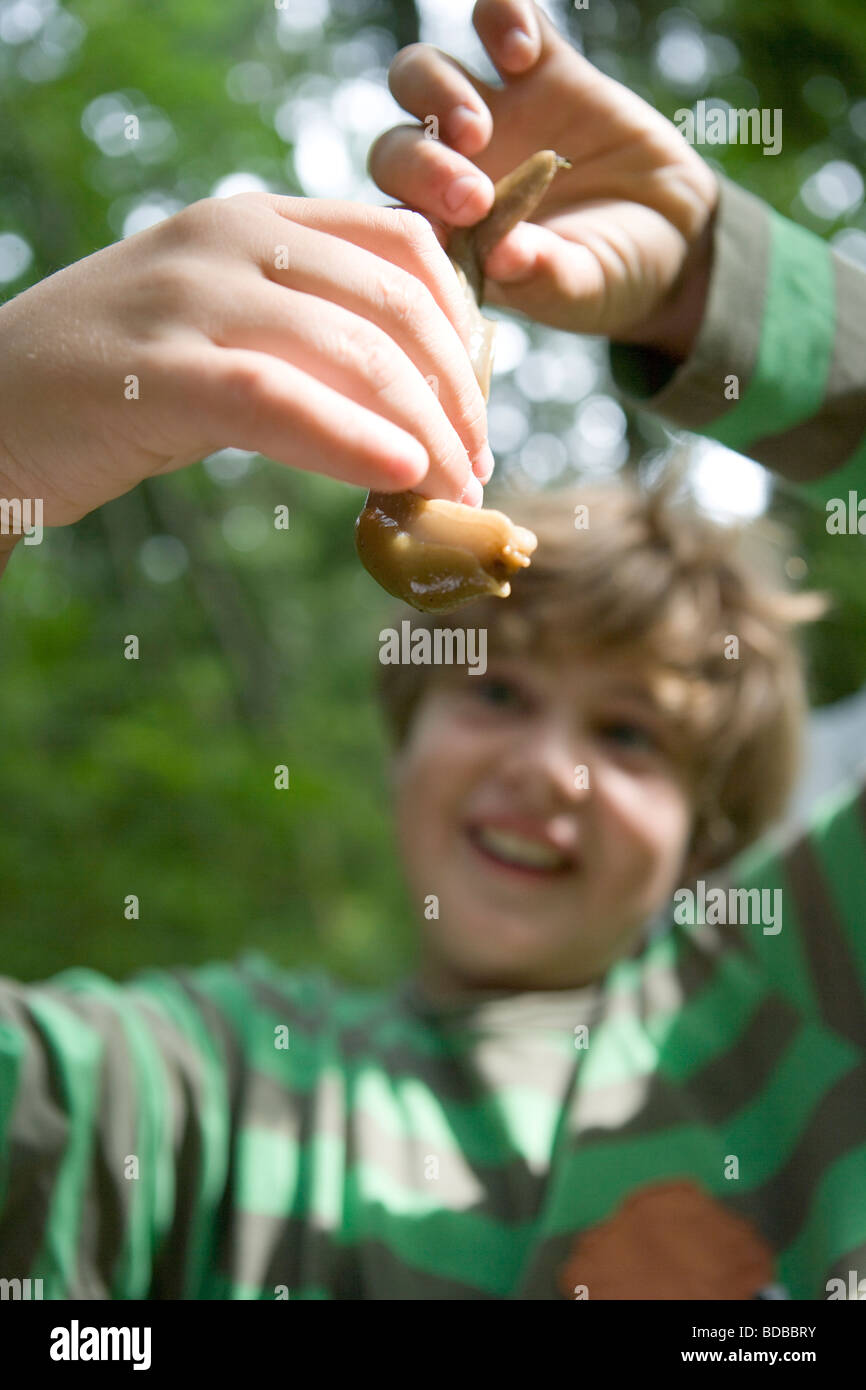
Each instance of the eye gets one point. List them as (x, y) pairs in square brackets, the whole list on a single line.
[(629, 734), (499, 692)]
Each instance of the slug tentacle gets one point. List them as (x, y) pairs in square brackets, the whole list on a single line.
[(434, 554)]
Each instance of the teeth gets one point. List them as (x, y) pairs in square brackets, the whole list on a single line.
[(506, 844)]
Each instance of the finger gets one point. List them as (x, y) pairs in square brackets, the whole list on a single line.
[(512, 33), (441, 230), (536, 271), (588, 271), (429, 83), (405, 238), (354, 357), (402, 307), (251, 400), (430, 176)]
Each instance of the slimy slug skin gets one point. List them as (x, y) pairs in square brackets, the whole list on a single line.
[(436, 555)]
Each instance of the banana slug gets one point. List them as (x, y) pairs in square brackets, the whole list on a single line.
[(433, 554)]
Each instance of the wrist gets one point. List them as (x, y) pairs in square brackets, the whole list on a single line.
[(674, 325)]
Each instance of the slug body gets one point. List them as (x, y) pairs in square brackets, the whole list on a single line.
[(436, 555), (433, 554)]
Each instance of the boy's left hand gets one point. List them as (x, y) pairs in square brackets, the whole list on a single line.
[(621, 245)]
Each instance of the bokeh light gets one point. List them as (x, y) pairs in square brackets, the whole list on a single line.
[(15, 257), (163, 559)]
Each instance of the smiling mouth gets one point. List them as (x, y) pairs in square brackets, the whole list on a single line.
[(520, 853)]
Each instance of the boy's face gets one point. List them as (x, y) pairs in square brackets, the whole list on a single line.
[(544, 876)]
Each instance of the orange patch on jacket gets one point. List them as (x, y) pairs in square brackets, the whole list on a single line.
[(669, 1240)]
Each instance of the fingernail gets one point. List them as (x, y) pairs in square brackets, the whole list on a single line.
[(473, 493), (484, 465), (519, 47), (462, 118), (460, 191)]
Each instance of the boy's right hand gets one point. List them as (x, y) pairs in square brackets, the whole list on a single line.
[(324, 365), (622, 243)]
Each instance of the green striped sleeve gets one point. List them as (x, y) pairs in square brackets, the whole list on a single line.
[(819, 956), (114, 1134), (778, 371), (788, 380)]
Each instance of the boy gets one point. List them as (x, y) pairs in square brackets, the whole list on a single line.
[(561, 1104)]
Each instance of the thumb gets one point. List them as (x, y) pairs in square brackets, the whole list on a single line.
[(517, 35), (537, 272), (516, 257)]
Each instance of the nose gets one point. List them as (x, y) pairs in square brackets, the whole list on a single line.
[(549, 759)]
